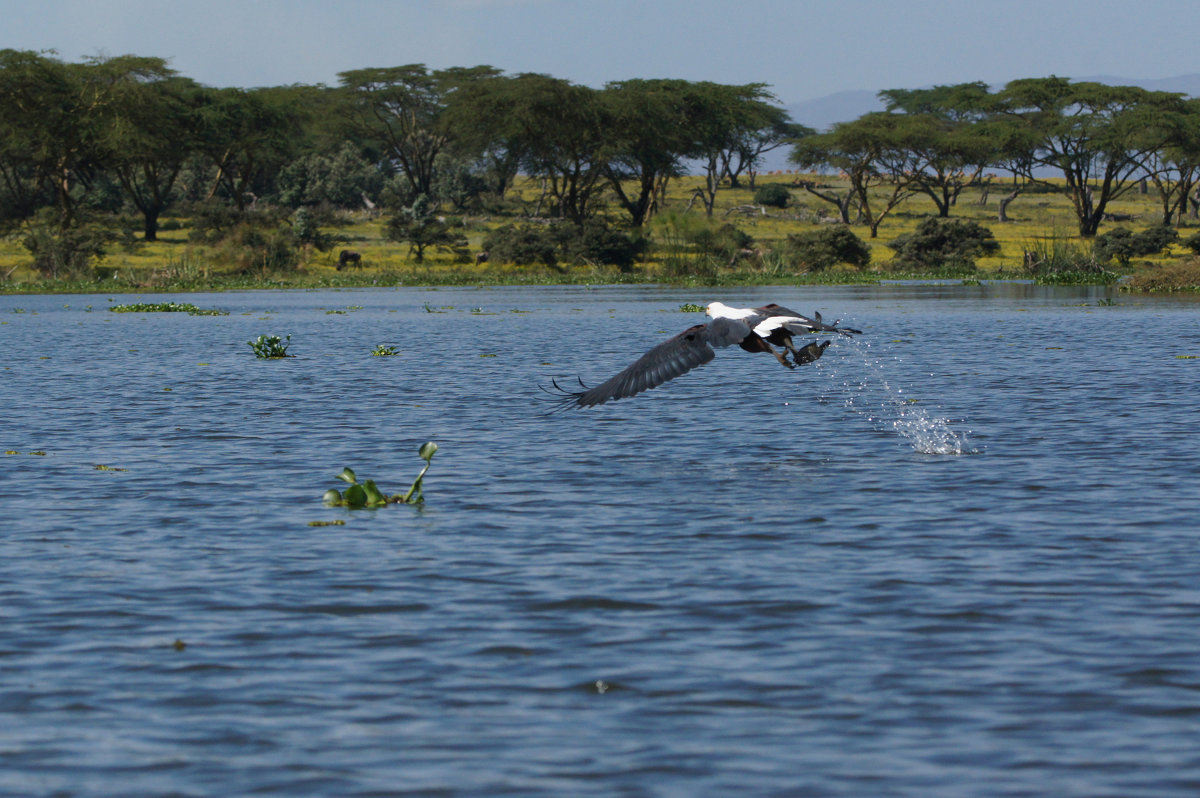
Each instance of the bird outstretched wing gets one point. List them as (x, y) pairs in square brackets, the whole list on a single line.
[(678, 355), (777, 315)]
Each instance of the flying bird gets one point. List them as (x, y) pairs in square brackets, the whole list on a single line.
[(753, 329)]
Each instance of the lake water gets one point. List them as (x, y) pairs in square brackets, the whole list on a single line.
[(958, 556)]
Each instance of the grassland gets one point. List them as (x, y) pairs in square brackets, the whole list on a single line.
[(176, 263)]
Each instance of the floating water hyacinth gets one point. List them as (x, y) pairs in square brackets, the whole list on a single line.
[(368, 494), (167, 307), (269, 347)]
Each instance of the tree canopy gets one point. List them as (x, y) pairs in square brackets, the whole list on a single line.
[(78, 140)]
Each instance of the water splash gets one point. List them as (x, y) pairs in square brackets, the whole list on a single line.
[(872, 394)]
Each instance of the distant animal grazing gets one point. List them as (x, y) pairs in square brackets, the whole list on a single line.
[(481, 257), (348, 257)]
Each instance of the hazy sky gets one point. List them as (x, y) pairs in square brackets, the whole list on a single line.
[(803, 49)]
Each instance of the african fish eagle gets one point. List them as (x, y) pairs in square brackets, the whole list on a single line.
[(753, 329)]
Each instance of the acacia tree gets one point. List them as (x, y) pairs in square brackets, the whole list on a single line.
[(561, 132), (486, 128), (870, 155), (401, 109), (649, 129), (25, 77), (939, 140), (149, 137), (732, 127), (246, 136), (1175, 170), (1098, 137), (745, 152), (55, 116)]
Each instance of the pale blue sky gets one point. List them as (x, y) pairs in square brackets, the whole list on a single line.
[(803, 49)]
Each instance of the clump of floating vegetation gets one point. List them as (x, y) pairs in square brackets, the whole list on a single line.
[(270, 346), (688, 307), (368, 493), (385, 350), (168, 307), (1169, 277)]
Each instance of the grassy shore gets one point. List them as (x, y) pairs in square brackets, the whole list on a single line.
[(1039, 219)]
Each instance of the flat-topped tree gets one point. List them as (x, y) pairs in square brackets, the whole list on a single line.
[(1175, 171), (938, 135), (1099, 138), (151, 134), (871, 153)]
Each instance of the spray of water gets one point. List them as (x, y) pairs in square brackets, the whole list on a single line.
[(873, 394)]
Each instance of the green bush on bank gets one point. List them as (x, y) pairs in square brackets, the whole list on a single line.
[(826, 247), (943, 246)]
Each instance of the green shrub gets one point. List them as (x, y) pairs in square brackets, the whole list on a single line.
[(66, 253), (213, 221), (1193, 243), (946, 246), (722, 242), (522, 244), (597, 243), (417, 226), (458, 182), (252, 247), (306, 227), (1123, 245), (821, 249), (773, 195)]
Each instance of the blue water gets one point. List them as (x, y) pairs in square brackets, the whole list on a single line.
[(958, 556)]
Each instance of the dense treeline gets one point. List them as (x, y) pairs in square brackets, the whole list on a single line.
[(84, 145)]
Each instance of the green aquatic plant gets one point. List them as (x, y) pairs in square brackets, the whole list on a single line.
[(385, 350), (368, 494), (270, 346), (688, 307), (167, 307)]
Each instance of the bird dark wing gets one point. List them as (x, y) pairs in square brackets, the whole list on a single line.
[(691, 348), (804, 323)]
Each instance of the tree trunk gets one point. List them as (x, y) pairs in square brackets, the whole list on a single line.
[(151, 229), (1003, 215)]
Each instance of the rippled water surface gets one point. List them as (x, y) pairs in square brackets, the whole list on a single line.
[(958, 556)]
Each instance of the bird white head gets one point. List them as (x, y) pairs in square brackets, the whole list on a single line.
[(719, 310)]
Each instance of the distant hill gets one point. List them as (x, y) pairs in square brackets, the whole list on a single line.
[(822, 113)]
